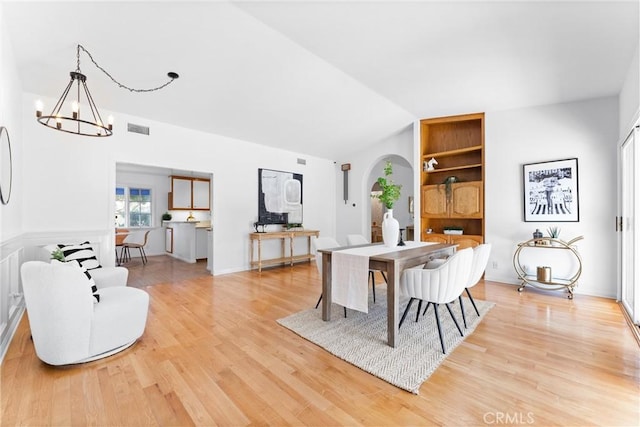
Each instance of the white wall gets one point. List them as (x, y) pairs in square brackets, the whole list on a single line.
[(630, 97), (11, 254), (354, 217), (11, 118), (69, 180), (587, 130)]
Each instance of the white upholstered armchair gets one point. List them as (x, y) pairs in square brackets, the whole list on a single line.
[(67, 324)]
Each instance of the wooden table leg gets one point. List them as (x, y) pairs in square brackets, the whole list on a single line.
[(282, 245), (326, 285), (291, 249), (393, 290), (250, 254), (259, 256)]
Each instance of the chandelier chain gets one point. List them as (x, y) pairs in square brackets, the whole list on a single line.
[(111, 77)]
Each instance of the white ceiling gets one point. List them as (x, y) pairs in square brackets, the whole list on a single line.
[(325, 78)]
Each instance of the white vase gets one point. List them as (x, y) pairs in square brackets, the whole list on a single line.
[(390, 229)]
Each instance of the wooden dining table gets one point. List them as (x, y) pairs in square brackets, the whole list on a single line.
[(393, 264)]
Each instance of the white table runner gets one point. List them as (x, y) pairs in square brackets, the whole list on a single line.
[(349, 273)]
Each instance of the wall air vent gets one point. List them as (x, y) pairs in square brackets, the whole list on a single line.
[(144, 130), (302, 162)]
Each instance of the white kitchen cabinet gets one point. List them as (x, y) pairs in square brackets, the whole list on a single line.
[(168, 240), (180, 193), (201, 192), (201, 243), (209, 249), (189, 193), (188, 241)]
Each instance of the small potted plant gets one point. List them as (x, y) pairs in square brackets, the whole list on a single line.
[(554, 233), (448, 182), (57, 254)]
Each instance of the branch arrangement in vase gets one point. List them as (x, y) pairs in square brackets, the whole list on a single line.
[(390, 191)]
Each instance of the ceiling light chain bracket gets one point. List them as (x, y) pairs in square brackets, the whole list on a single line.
[(172, 76)]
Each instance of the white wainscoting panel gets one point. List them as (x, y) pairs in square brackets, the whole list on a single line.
[(11, 296)]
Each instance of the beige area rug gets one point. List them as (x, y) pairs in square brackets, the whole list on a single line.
[(361, 338)]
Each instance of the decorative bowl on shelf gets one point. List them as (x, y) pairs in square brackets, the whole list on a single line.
[(452, 231)]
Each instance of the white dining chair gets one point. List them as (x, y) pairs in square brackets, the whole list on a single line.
[(440, 285), (479, 265), (359, 239)]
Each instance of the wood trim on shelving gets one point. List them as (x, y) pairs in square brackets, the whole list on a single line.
[(448, 119), (453, 152), (476, 165)]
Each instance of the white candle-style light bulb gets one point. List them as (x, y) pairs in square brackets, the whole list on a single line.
[(110, 121), (74, 109), (58, 122), (39, 107), (100, 131)]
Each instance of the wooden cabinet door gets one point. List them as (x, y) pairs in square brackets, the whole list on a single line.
[(464, 242), (466, 200), (436, 238), (181, 193), (434, 202), (201, 193)]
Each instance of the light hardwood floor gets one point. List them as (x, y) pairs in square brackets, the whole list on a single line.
[(212, 354)]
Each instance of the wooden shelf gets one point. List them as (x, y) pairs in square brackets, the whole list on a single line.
[(452, 152), (556, 281), (283, 260), (305, 257), (457, 168)]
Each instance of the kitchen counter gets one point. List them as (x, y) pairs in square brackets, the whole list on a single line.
[(198, 224), (188, 239)]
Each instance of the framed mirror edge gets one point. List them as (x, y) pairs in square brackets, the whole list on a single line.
[(6, 165)]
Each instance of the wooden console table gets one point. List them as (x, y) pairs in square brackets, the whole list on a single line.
[(282, 235)]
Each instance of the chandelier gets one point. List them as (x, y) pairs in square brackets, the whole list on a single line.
[(91, 123)]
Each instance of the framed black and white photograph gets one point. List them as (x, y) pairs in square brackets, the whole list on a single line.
[(551, 191)]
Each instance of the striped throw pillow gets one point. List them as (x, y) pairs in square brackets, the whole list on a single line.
[(83, 253)]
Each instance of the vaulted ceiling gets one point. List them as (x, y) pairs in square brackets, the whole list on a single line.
[(325, 78)]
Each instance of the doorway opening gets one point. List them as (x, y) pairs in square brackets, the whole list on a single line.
[(403, 208), (377, 211), (185, 233)]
